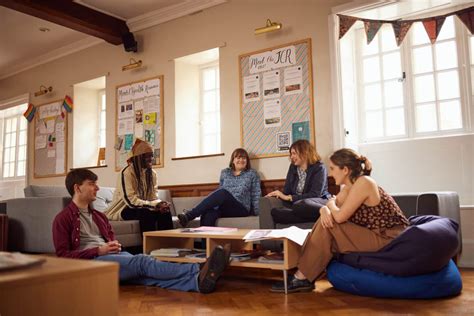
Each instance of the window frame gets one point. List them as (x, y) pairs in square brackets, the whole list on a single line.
[(102, 110)]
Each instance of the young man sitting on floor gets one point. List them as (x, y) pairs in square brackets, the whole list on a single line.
[(79, 231)]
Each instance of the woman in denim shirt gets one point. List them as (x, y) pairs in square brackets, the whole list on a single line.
[(306, 186), (237, 196)]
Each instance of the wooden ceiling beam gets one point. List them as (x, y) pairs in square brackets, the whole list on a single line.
[(76, 17)]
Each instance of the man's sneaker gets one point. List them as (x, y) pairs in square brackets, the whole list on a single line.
[(294, 285), (213, 269), (183, 220)]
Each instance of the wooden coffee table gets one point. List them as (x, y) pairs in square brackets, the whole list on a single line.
[(176, 238)]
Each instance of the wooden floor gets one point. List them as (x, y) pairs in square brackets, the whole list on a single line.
[(249, 295)]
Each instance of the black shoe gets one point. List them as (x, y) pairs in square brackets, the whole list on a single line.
[(213, 269), (183, 220), (294, 285)]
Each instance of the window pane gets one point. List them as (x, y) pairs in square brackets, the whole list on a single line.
[(209, 144), (426, 118), (8, 125), (12, 154), (21, 169), (447, 30), (11, 170), (373, 96), (14, 124), (6, 170), (209, 123), (395, 119), (419, 35), (23, 125), (374, 124), (22, 140), (7, 140), (104, 104), (22, 153), (209, 79), (371, 69), (450, 115), (7, 154), (209, 101), (393, 91), (422, 60), (424, 89), (448, 85), (391, 66), (446, 55), (102, 120), (388, 39), (13, 139)]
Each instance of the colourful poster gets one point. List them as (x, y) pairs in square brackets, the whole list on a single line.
[(150, 118), (150, 136)]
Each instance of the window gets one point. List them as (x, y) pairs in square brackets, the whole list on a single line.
[(102, 116), (89, 123), (415, 90), (14, 139), (197, 104), (210, 110)]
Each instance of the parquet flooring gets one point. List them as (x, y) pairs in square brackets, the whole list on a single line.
[(247, 295)]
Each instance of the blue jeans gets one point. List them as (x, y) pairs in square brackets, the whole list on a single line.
[(219, 203), (145, 270)]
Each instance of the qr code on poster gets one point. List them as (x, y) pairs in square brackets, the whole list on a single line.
[(283, 140)]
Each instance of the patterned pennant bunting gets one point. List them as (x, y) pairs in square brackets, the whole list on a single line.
[(345, 23), (67, 103), (30, 112), (467, 17), (433, 27), (401, 28), (371, 29)]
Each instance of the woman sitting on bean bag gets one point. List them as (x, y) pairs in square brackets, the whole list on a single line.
[(363, 217)]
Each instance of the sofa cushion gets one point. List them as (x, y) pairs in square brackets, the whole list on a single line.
[(103, 198), (442, 283), (45, 190), (424, 247), (125, 227)]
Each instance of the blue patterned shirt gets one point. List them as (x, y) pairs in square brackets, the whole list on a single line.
[(245, 187)]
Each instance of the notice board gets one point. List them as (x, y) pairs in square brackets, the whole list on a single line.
[(139, 114), (276, 98), (50, 130)]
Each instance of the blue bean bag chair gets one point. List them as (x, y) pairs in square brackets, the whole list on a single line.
[(425, 246), (445, 282)]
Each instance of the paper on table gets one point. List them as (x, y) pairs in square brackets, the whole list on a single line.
[(292, 233)]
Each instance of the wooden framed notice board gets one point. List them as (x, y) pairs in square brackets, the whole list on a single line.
[(139, 114), (50, 130), (276, 98)]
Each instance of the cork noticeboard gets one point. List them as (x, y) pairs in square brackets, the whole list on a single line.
[(276, 98), (139, 114), (50, 135)]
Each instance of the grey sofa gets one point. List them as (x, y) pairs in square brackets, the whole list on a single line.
[(31, 217), (443, 203)]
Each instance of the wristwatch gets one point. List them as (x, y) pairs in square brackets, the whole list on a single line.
[(291, 198)]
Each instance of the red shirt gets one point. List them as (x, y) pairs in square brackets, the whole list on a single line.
[(67, 228)]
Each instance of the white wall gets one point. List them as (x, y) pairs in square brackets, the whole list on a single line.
[(229, 26), (434, 164)]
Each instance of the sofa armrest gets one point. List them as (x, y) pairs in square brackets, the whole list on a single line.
[(30, 222), (266, 205)]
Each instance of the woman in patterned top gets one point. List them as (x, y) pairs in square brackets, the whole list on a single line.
[(362, 217), (237, 196)]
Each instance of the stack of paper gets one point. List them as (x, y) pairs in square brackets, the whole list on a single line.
[(169, 252), (209, 229), (292, 233)]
